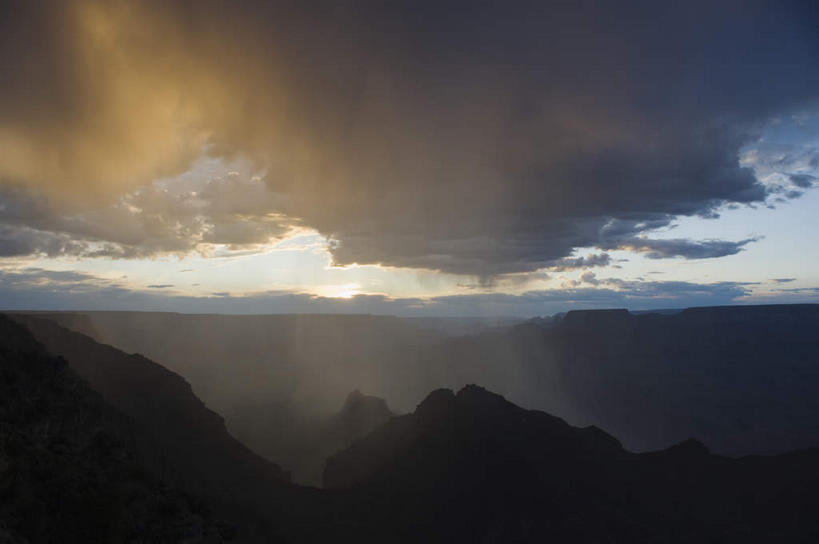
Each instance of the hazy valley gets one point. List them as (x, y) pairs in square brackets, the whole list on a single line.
[(665, 381)]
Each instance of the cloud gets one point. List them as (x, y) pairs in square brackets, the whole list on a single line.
[(158, 218), (635, 295), (39, 289), (688, 249), (160, 286), (589, 277), (20, 241), (783, 280), (570, 263), (485, 141), (801, 290), (804, 181), (32, 277)]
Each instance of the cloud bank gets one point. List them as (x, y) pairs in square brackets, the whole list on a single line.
[(39, 289)]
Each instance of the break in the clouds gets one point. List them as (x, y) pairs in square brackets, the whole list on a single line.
[(159, 218), (39, 289), (478, 138)]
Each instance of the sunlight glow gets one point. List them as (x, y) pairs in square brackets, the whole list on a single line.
[(343, 291)]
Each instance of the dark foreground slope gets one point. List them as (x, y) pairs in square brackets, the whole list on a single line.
[(69, 471), (188, 445), (198, 449), (470, 467), (473, 467)]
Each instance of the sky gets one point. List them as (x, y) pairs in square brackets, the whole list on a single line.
[(407, 158)]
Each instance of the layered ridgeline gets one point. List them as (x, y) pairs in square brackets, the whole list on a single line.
[(77, 466), (72, 467), (197, 446), (182, 442), (473, 467), (741, 379), (309, 363)]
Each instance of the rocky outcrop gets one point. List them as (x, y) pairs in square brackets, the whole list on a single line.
[(359, 415), (302, 444), (471, 466), (68, 469), (186, 444)]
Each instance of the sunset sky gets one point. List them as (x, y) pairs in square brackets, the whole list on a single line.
[(409, 158)]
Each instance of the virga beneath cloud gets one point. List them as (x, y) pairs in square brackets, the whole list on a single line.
[(472, 138)]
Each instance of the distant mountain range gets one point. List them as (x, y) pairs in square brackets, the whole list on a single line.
[(460, 467), (742, 379)]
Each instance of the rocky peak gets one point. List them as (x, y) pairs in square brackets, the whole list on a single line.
[(359, 404), (436, 404)]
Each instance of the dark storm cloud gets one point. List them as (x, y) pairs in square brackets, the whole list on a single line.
[(570, 263), (802, 180), (688, 249), (480, 138), (21, 241), (38, 289), (30, 277)]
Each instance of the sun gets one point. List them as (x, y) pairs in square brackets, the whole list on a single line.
[(348, 290)]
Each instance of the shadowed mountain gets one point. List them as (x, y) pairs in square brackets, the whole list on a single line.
[(359, 415), (162, 402), (70, 466), (303, 443), (741, 379), (463, 467), (471, 466), (189, 446), (309, 362)]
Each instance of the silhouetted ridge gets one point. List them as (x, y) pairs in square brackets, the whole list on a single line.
[(359, 415), (359, 409), (477, 399), (599, 318), (463, 467), (793, 312), (439, 403), (650, 378), (354, 396), (689, 447), (472, 414), (471, 466), (190, 447), (69, 462)]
